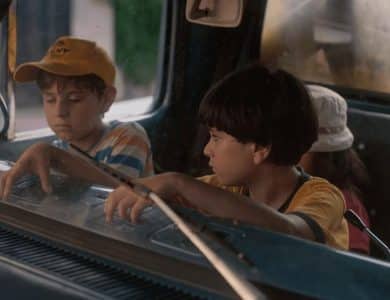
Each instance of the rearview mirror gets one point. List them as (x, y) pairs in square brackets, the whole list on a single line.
[(217, 13)]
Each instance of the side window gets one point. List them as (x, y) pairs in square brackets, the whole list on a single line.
[(127, 30), (341, 43)]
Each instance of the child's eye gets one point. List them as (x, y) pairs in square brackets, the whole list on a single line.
[(214, 138), (49, 99), (74, 99)]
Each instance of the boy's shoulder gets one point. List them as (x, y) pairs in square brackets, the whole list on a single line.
[(318, 184), (124, 137), (127, 127), (320, 191), (128, 130)]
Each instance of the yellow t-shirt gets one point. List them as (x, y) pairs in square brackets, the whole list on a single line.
[(321, 201)]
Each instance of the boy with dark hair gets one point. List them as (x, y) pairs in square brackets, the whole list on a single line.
[(260, 123), (76, 79)]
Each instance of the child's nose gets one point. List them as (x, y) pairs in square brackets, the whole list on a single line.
[(207, 150), (62, 109)]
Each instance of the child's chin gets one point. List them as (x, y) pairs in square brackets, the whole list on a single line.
[(65, 137)]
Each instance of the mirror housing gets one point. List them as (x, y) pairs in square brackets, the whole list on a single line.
[(216, 13)]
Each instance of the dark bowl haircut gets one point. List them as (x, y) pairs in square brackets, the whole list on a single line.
[(90, 82), (269, 108)]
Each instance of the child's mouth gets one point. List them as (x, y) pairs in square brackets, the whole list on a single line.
[(62, 127)]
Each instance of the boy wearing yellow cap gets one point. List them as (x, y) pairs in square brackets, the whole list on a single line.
[(76, 78)]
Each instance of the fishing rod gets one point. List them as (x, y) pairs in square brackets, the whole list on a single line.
[(242, 286)]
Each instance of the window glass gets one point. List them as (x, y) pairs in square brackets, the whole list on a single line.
[(127, 30), (342, 43)]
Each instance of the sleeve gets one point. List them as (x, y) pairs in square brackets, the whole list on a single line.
[(131, 153), (210, 179), (213, 180), (322, 206)]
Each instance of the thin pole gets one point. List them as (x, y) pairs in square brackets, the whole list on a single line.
[(243, 287), (240, 285)]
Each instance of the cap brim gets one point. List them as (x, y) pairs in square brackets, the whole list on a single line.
[(29, 71), (333, 142)]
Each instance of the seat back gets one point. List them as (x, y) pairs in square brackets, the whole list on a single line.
[(372, 141)]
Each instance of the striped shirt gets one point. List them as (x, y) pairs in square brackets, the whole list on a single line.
[(124, 147)]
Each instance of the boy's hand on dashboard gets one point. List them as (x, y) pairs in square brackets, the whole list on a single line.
[(35, 160)]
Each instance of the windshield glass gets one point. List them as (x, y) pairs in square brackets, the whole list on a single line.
[(341, 43)]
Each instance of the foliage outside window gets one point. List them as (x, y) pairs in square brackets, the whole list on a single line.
[(137, 26)]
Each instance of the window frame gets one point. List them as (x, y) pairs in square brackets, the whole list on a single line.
[(159, 99)]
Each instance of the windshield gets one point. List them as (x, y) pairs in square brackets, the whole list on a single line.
[(340, 43)]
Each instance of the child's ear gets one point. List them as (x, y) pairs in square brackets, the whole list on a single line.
[(260, 153), (108, 98)]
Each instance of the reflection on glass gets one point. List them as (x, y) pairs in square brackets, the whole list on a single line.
[(343, 43), (171, 238), (81, 205)]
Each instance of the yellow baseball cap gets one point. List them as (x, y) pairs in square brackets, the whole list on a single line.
[(70, 56)]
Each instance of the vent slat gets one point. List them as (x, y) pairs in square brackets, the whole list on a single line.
[(81, 270), (76, 274), (76, 269)]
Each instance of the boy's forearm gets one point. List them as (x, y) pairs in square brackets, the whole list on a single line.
[(77, 167), (224, 204)]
